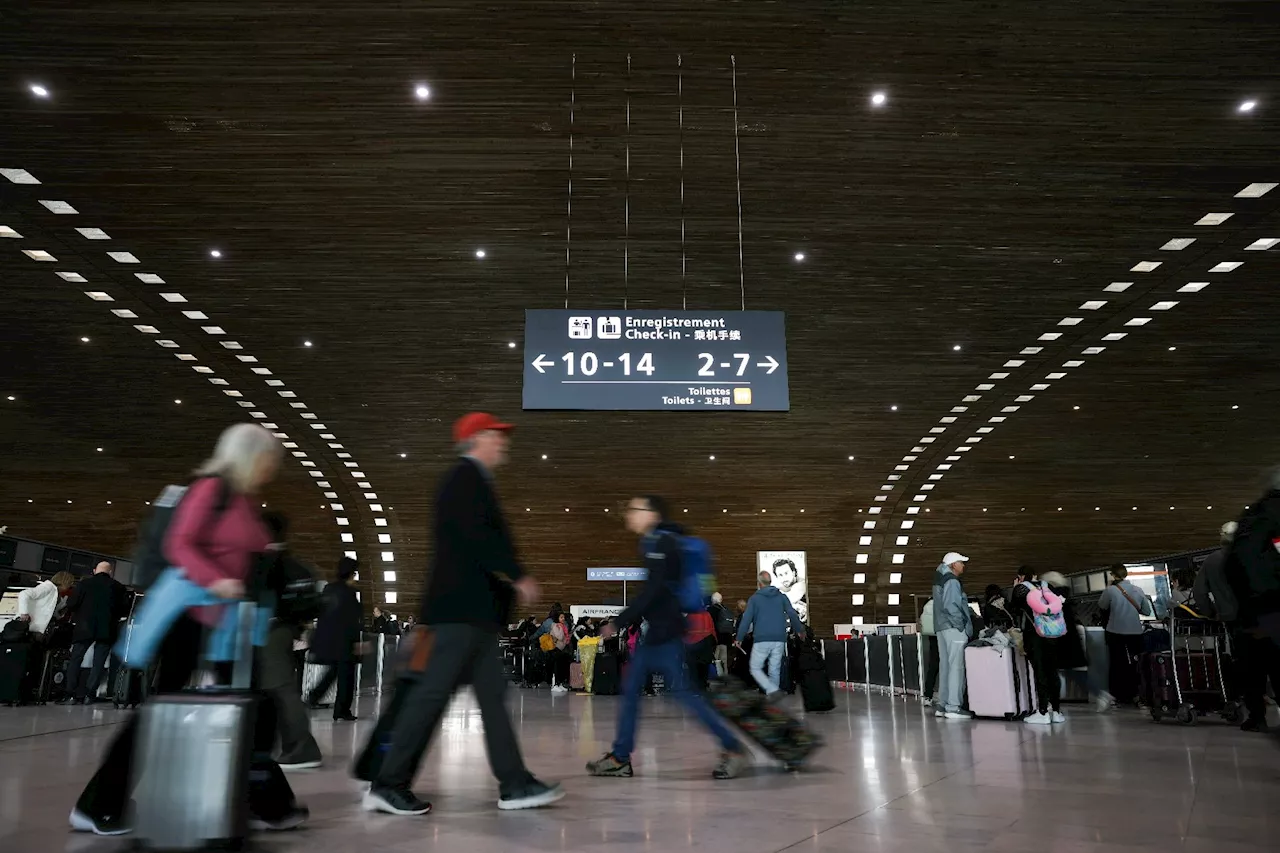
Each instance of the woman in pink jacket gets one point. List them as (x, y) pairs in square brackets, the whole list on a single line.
[(215, 536)]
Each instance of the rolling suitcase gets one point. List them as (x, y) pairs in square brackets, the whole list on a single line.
[(999, 682), (776, 732), (576, 681), (13, 671), (604, 679), (192, 759)]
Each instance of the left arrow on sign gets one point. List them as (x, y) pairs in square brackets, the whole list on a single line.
[(769, 362), (540, 364)]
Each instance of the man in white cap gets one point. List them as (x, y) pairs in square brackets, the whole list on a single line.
[(953, 622)]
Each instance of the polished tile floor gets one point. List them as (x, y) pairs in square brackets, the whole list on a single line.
[(891, 778)]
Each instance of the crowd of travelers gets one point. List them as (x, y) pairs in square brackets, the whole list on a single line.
[(220, 551)]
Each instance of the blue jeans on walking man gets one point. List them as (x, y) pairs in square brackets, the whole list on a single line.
[(668, 660), (766, 665)]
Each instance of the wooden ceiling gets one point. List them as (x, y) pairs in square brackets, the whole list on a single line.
[(1025, 158)]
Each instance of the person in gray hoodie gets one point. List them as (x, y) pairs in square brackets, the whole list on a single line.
[(766, 619), (953, 621)]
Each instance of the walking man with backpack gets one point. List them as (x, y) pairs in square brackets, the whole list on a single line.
[(662, 650), (768, 614)]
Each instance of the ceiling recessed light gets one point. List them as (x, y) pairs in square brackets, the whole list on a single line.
[(799, 256), (893, 408), (306, 343), (178, 402), (879, 99), (1075, 408), (99, 449), (422, 93), (850, 458), (39, 91), (1235, 407), (12, 398), (480, 253), (712, 458), (84, 340), (215, 253), (956, 348), (1013, 457), (511, 345), (1245, 106), (544, 456)]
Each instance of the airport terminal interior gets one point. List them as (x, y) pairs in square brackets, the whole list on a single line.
[(865, 298)]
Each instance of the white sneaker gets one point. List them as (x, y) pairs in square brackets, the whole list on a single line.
[(1038, 719), (1058, 717), (940, 712), (559, 689), (958, 715), (1102, 703), (928, 700)]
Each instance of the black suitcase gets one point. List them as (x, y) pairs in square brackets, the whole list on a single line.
[(604, 679), (776, 732), (816, 692), (368, 763), (130, 687), (13, 671)]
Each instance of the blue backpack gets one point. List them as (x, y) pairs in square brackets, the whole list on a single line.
[(698, 581)]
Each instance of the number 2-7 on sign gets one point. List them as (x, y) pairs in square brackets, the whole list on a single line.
[(589, 363)]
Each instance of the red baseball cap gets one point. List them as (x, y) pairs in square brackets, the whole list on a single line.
[(469, 425)]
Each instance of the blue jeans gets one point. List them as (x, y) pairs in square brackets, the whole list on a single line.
[(667, 660), (766, 664)]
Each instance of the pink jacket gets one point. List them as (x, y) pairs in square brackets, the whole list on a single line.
[(209, 546)]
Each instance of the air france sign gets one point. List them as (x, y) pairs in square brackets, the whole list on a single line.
[(656, 360)]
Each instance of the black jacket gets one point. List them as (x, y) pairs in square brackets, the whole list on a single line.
[(1212, 592), (657, 602), (97, 604), (338, 628), (471, 548), (1253, 565)]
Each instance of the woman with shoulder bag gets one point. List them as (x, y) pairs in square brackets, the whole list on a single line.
[(215, 536)]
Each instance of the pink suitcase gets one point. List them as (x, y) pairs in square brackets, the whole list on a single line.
[(999, 681)]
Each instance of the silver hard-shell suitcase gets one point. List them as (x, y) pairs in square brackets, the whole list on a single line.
[(192, 761)]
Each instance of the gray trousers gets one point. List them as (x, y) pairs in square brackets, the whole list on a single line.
[(279, 681), (951, 673), (460, 654)]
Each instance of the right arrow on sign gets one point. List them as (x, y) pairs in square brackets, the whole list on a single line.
[(541, 365), (769, 362)]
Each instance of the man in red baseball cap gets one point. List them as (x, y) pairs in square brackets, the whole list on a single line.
[(457, 639)]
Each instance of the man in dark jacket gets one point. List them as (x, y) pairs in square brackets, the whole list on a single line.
[(1253, 570), (97, 604), (335, 643), (456, 642), (662, 648)]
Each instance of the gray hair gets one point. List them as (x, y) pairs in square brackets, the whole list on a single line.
[(717, 598), (1228, 532), (237, 454), (766, 579)]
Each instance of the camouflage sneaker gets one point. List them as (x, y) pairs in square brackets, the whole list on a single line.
[(610, 765)]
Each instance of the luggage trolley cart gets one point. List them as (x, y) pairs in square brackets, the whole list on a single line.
[(1187, 681)]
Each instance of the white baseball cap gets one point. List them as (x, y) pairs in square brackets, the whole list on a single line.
[(953, 557)]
